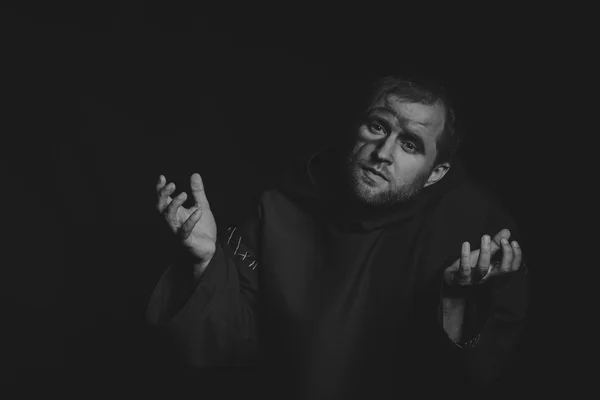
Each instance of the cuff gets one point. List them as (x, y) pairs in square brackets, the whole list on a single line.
[(176, 291)]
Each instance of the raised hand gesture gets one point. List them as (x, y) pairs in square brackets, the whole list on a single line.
[(475, 267), (195, 226)]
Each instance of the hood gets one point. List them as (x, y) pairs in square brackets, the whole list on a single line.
[(315, 182)]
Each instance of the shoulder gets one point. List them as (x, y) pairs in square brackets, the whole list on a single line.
[(467, 200), (271, 199), (471, 210), (274, 203)]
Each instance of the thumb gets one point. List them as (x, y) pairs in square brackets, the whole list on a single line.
[(198, 192), (495, 243), (450, 271)]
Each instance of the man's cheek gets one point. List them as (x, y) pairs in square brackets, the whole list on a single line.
[(362, 149), (356, 152)]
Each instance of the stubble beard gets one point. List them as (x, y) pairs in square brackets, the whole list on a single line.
[(372, 197)]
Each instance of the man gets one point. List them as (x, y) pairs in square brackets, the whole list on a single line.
[(356, 276)]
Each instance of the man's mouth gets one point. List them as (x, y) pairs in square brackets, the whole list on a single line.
[(375, 172)]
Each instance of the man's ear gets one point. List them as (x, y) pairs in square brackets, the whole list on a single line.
[(437, 173)]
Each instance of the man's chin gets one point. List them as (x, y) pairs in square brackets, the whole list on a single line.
[(379, 197), (367, 195)]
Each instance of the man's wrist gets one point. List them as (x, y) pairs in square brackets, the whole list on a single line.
[(453, 311), (199, 268), (462, 291), (191, 265)]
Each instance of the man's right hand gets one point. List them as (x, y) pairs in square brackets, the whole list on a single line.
[(195, 226)]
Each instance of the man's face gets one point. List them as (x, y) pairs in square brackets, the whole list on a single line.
[(392, 159)]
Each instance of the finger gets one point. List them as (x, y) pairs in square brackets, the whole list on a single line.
[(507, 256), (173, 207), (464, 270), (483, 263), (497, 239), (161, 183), (518, 256), (474, 257), (496, 245), (164, 197), (198, 191), (190, 223)]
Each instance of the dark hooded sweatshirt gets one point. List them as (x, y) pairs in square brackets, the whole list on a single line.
[(333, 300)]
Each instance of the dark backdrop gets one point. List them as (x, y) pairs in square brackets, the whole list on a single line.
[(98, 107)]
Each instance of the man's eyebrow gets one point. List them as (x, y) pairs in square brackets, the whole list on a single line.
[(415, 138), (406, 131), (403, 121)]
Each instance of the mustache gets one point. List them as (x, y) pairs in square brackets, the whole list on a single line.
[(378, 171)]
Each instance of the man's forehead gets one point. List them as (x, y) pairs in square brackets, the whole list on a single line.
[(410, 112)]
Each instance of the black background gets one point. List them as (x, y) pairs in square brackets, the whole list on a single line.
[(100, 100)]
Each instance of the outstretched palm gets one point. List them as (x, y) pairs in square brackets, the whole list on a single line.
[(196, 226), (476, 266)]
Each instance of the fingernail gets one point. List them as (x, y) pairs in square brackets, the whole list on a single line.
[(504, 240), (486, 239), (515, 243), (181, 195)]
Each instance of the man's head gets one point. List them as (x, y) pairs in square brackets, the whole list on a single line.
[(405, 141)]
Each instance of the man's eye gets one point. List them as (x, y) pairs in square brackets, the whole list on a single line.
[(377, 128), (410, 146)]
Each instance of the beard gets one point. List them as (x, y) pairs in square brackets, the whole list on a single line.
[(374, 197)]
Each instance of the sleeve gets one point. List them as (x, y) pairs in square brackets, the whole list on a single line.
[(214, 323), (492, 341)]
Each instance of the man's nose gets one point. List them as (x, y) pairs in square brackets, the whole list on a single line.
[(384, 149)]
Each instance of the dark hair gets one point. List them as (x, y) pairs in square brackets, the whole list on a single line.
[(421, 91)]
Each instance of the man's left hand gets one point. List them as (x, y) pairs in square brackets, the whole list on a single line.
[(475, 267)]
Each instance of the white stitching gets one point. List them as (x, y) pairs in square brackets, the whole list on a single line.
[(230, 236), (238, 245), (244, 255)]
